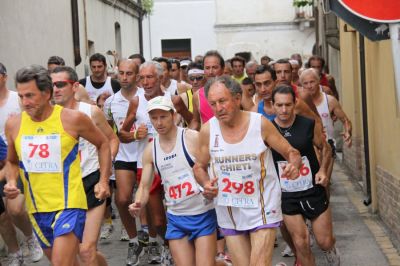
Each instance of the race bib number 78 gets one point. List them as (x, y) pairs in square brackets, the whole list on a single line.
[(41, 153)]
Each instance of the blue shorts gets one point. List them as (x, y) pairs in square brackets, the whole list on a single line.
[(49, 225), (192, 226)]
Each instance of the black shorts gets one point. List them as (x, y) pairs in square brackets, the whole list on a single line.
[(331, 142), (89, 182), (4, 182), (2, 207), (310, 206), (121, 165)]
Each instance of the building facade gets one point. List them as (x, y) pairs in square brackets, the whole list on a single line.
[(32, 31)]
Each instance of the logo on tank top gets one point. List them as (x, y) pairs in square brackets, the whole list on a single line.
[(39, 130), (325, 115), (216, 143)]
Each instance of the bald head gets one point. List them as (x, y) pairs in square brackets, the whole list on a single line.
[(127, 71)]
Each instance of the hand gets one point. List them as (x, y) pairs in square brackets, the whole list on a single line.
[(290, 171), (347, 138), (141, 132), (101, 191), (210, 189), (321, 178), (11, 190), (135, 208)]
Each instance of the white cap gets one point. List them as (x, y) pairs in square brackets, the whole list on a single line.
[(185, 62), (160, 102)]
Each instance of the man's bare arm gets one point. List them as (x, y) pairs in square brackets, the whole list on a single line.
[(124, 134)]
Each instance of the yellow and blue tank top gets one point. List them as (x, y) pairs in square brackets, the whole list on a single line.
[(49, 165)]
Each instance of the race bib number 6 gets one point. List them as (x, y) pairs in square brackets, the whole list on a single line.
[(41, 153), (302, 182)]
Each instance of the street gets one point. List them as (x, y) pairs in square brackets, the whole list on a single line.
[(360, 237)]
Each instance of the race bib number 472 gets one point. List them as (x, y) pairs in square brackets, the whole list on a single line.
[(41, 153)]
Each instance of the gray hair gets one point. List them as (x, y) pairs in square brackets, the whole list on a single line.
[(37, 73), (158, 67), (229, 83), (251, 63), (309, 71)]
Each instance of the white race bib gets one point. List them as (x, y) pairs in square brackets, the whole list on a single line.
[(237, 190), (303, 182), (41, 153), (180, 187)]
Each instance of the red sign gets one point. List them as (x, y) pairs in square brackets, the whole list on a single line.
[(387, 11)]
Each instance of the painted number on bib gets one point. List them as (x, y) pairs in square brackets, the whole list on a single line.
[(175, 192), (179, 188), (41, 153), (43, 150), (233, 187), (237, 190)]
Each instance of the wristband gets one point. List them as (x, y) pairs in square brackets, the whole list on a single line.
[(135, 135)]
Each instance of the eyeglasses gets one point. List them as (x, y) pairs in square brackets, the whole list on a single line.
[(62, 83), (198, 78)]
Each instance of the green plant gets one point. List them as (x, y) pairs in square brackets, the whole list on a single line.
[(147, 6), (300, 3)]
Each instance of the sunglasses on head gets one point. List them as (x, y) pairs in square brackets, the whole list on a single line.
[(62, 83), (198, 78)]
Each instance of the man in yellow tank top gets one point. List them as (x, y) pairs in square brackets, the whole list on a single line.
[(43, 150)]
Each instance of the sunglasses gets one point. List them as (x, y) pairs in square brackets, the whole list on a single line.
[(61, 84), (198, 78)]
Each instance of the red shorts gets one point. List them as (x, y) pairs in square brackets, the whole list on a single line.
[(156, 186)]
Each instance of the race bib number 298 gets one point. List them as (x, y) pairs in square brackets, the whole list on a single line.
[(41, 153)]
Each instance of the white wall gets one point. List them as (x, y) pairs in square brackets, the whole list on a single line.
[(254, 11), (32, 31), (181, 19)]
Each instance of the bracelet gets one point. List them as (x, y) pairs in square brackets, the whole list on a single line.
[(135, 135)]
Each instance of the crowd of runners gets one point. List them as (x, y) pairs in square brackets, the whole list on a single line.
[(204, 160)]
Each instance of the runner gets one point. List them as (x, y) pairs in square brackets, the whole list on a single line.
[(125, 164), (248, 194), (151, 74), (305, 197), (327, 106), (16, 213), (98, 82), (63, 94), (191, 218), (43, 150)]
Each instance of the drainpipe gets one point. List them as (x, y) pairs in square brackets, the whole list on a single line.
[(75, 32), (140, 27), (368, 198)]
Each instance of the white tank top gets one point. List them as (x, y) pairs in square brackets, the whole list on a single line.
[(142, 117), (182, 193), (173, 87), (249, 194), (93, 92), (115, 108), (327, 122), (87, 151), (10, 108)]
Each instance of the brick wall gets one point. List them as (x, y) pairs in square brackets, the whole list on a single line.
[(388, 189), (353, 159)]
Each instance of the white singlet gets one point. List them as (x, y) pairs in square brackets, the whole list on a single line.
[(249, 194), (94, 93), (11, 107), (324, 113), (115, 108), (142, 117), (87, 151), (173, 87), (182, 193)]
